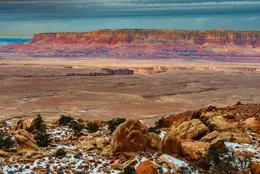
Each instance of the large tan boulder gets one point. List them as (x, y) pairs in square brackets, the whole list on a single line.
[(171, 145), (146, 167), (154, 140), (194, 148), (238, 137), (189, 129), (25, 140), (131, 135), (223, 123), (253, 124)]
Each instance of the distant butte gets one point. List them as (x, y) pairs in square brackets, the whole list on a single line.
[(218, 44)]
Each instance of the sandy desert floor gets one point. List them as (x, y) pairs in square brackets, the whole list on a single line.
[(29, 86)]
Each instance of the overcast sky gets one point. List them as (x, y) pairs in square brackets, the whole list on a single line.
[(26, 17)]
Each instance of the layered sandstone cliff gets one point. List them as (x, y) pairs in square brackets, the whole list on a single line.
[(219, 44), (139, 36)]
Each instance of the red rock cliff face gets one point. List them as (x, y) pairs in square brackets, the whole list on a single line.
[(111, 37), (219, 44)]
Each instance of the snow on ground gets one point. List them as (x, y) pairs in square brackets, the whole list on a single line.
[(245, 147), (162, 134)]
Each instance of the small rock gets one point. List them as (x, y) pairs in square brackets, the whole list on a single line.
[(146, 167)]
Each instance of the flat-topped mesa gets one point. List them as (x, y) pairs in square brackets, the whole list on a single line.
[(142, 36)]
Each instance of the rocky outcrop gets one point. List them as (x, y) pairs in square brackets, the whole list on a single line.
[(105, 72), (23, 124), (131, 135), (171, 145), (193, 129), (253, 124), (146, 167), (154, 140), (223, 122), (193, 149), (239, 137), (255, 168), (26, 141)]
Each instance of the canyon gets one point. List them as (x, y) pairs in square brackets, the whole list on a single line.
[(218, 44)]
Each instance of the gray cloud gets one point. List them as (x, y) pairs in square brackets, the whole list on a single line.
[(64, 9), (25, 17)]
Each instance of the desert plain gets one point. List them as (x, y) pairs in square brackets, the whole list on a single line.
[(158, 88)]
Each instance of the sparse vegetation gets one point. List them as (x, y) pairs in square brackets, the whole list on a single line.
[(196, 115), (92, 127), (112, 124), (76, 127), (41, 136), (154, 130), (65, 120), (160, 123), (129, 170), (222, 161), (60, 153), (211, 108), (5, 141), (185, 170)]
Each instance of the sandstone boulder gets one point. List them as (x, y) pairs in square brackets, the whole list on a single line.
[(154, 140), (238, 137), (223, 123), (25, 140), (192, 129), (194, 148), (220, 145), (23, 124), (171, 145), (146, 167), (253, 124), (131, 135), (172, 161), (255, 168), (94, 143)]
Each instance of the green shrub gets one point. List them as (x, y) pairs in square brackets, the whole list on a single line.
[(76, 127), (154, 130), (41, 136), (92, 127), (112, 124), (185, 170), (80, 120), (221, 160), (5, 141), (160, 123), (196, 115), (65, 119), (60, 153), (129, 170)]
